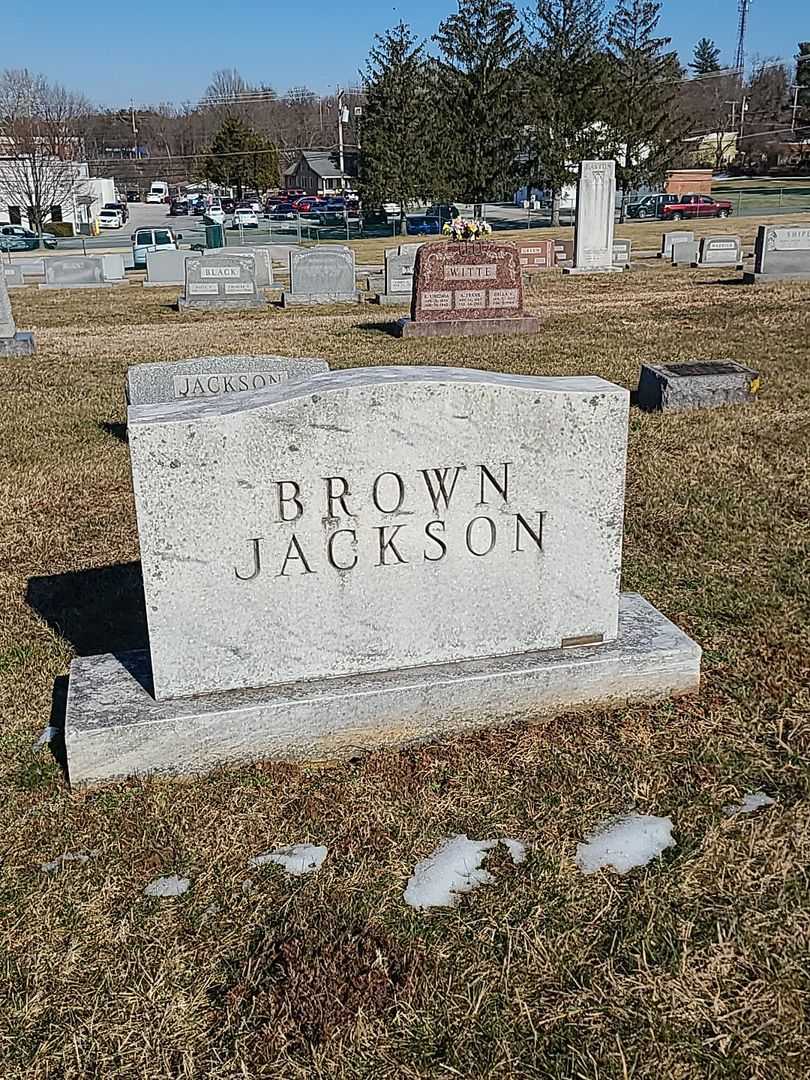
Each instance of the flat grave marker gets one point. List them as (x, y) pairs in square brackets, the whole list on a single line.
[(466, 289), (705, 384)]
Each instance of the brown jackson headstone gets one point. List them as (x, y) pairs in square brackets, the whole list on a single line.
[(465, 289)]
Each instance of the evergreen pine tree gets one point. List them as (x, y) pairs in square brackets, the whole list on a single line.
[(239, 156), (802, 82), (706, 57), (394, 160), (644, 84), (478, 119), (566, 99)]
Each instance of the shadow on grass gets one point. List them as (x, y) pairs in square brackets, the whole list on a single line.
[(118, 431), (389, 328), (57, 720), (97, 611)]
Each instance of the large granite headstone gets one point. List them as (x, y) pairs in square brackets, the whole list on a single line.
[(467, 289), (220, 282), (76, 272), (399, 270), (782, 253), (214, 376), (537, 255), (595, 217), (166, 268), (720, 251), (321, 275), (696, 384), (670, 238), (261, 255), (12, 343), (369, 556)]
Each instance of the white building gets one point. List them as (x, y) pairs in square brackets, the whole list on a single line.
[(77, 197)]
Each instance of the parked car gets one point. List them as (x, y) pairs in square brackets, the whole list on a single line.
[(228, 205), (199, 207), (121, 207), (443, 211), (144, 240), (244, 218), (282, 212), (422, 225), (650, 206), (133, 196), (179, 208), (692, 206), (110, 219), (16, 238), (214, 215), (307, 203)]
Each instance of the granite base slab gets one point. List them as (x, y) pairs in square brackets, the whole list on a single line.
[(526, 324), (402, 299), (221, 305), (22, 344), (716, 266), (289, 299), (114, 728), (752, 278), (593, 269), (89, 285)]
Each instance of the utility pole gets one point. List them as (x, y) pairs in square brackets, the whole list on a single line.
[(795, 107), (134, 129)]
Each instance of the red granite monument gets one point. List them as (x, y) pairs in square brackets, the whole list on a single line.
[(539, 255), (468, 288)]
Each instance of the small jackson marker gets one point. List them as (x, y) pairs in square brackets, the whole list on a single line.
[(214, 376), (316, 582), (467, 288), (12, 342)]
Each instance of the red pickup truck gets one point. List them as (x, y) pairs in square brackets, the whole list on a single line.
[(692, 206)]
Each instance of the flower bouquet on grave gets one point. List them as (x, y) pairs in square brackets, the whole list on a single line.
[(463, 229)]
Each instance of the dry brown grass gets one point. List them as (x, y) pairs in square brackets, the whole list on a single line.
[(693, 969)]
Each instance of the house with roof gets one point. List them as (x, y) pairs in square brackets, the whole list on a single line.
[(318, 172)]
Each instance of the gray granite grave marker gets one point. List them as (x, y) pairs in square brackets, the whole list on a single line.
[(82, 271), (213, 376), (316, 583), (621, 252), (684, 252), (782, 253), (12, 343), (13, 275), (262, 257), (595, 216), (670, 238), (696, 385), (399, 269), (321, 275), (720, 251), (166, 268), (221, 282)]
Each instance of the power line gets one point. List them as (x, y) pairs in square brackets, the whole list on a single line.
[(230, 153)]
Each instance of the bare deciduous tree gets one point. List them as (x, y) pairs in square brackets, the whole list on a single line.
[(40, 143)]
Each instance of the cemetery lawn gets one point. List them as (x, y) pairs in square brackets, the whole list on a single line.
[(693, 968)]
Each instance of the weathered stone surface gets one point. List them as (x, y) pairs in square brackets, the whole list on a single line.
[(595, 216), (221, 282), (720, 251), (115, 728), (696, 385), (782, 253), (214, 376), (537, 255), (399, 271), (31, 267), (374, 519), (166, 268), (670, 238), (321, 275), (11, 343), (621, 252), (112, 267), (684, 252), (75, 271), (467, 289), (563, 253), (263, 260), (14, 276)]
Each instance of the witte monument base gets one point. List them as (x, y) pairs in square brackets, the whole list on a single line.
[(21, 344), (526, 324), (114, 727)]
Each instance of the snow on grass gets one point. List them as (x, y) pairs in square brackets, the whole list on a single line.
[(167, 886), (69, 856), (748, 804), (634, 841), (297, 859), (47, 736), (454, 868)]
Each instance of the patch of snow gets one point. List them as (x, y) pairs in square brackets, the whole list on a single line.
[(634, 841), (517, 849), (47, 736), (748, 804), (452, 869), (167, 886), (69, 856), (247, 885), (297, 859)]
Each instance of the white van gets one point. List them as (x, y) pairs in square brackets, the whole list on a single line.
[(158, 192), (152, 240)]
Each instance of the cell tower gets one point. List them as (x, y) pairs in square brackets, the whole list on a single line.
[(742, 26)]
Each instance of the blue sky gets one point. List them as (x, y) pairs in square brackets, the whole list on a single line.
[(156, 50)]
